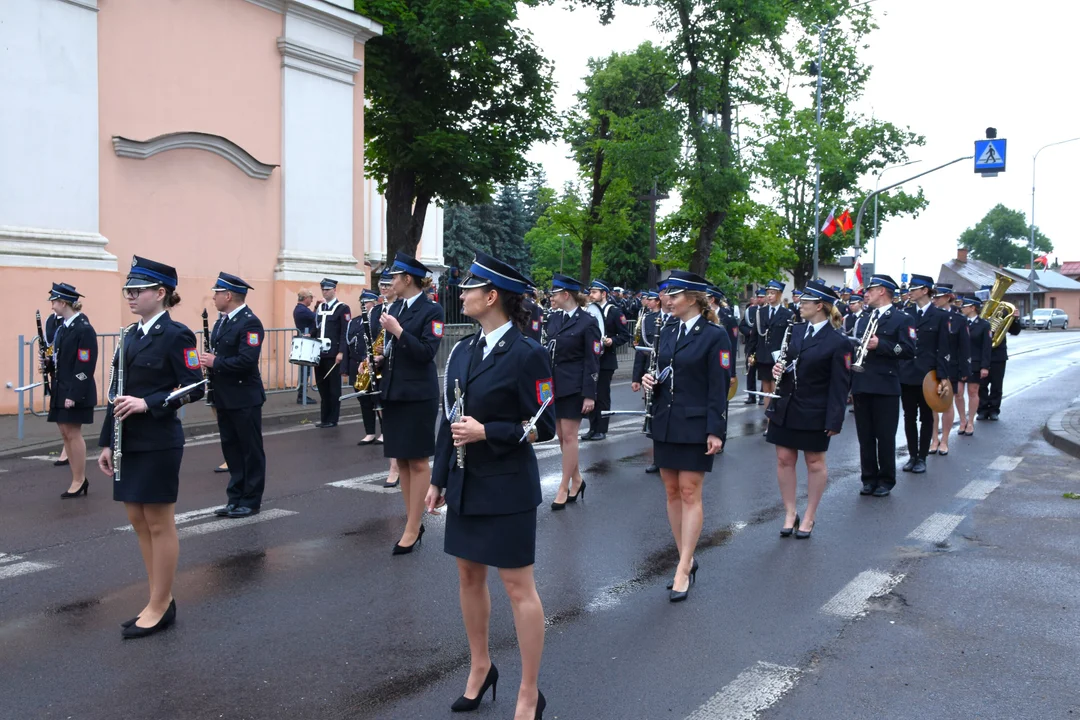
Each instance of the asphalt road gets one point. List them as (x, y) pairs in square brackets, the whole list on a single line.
[(956, 597)]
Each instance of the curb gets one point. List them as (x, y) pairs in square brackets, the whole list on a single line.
[(1054, 432)]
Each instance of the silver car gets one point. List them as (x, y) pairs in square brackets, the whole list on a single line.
[(1047, 318)]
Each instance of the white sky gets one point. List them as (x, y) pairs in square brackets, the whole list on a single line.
[(946, 68)]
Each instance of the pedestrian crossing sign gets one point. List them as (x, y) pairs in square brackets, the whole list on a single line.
[(990, 155)]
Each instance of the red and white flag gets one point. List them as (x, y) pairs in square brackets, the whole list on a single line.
[(831, 225)]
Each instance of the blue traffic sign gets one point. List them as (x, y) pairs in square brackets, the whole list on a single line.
[(990, 155), (903, 277)]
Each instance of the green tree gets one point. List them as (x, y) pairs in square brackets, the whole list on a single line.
[(456, 95), (1002, 237)]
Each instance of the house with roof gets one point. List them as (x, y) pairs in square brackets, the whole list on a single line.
[(1070, 269), (968, 275), (1059, 291)]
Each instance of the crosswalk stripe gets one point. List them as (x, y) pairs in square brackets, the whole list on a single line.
[(228, 523), (22, 568), (978, 489), (182, 518), (853, 600), (937, 528), (1005, 463), (5, 558), (750, 694)]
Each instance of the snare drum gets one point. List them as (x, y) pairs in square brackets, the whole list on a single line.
[(305, 351)]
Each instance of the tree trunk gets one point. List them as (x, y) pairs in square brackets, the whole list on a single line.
[(405, 213), (595, 200)]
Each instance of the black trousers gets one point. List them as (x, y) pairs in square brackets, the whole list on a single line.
[(305, 377), (876, 420), (242, 446), (597, 422), (329, 389), (751, 376), (990, 389), (918, 420)]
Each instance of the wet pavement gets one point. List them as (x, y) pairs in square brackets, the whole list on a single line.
[(303, 613)]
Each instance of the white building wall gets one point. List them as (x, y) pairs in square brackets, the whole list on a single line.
[(430, 251)]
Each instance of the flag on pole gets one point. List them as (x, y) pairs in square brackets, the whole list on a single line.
[(845, 221), (1045, 260), (829, 228), (858, 273)]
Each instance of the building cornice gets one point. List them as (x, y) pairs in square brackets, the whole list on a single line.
[(300, 266), (327, 15), (56, 249), (307, 58), (223, 147), (90, 5)]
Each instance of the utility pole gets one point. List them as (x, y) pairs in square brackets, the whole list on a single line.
[(1031, 244), (653, 198)]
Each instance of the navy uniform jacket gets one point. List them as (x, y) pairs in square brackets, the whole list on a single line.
[(615, 327), (814, 387), (1001, 352), (51, 323), (843, 309), (931, 347), (574, 346), (304, 321), (959, 347), (770, 332), (850, 319), (729, 323), (356, 340), (691, 403), (503, 392), (237, 345), (896, 343), (75, 357), (410, 372), (650, 325), (532, 330), (337, 316), (749, 329), (979, 330), (163, 360)]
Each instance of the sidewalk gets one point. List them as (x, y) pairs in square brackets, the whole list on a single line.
[(1062, 430)]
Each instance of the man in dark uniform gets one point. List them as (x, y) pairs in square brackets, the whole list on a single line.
[(748, 328), (304, 321), (771, 323), (876, 390), (855, 311), (990, 387), (794, 306), (358, 335), (616, 333), (236, 344), (332, 318), (931, 348), (844, 306), (719, 303), (532, 330)]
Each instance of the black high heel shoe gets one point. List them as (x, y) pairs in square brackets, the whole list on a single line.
[(580, 493), (679, 596), (693, 575), (84, 489), (787, 531), (132, 632), (805, 534), (464, 704), (555, 506), (541, 703), (406, 549)]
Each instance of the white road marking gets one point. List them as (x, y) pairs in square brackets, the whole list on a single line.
[(5, 558), (1005, 462), (853, 600), (748, 695), (936, 528), (48, 458), (22, 568), (366, 482), (228, 524), (978, 489), (184, 517)]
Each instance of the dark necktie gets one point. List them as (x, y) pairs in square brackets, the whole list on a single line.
[(478, 354), (139, 334), (809, 332)]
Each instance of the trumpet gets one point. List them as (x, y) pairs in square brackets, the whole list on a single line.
[(864, 346)]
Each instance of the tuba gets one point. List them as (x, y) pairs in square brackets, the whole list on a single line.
[(996, 311)]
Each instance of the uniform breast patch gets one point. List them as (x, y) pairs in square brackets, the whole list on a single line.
[(543, 390), (253, 339), (436, 328), (596, 347), (847, 360), (84, 355), (725, 359), (348, 317), (536, 325), (191, 358)]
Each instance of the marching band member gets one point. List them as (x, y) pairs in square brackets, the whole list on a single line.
[(748, 328), (981, 341), (770, 323), (333, 317), (991, 387), (52, 322), (74, 391), (410, 388), (388, 299), (491, 496), (855, 309), (689, 412), (794, 306), (358, 335), (238, 395), (615, 334), (160, 355), (536, 316), (306, 326), (651, 322), (814, 384), (574, 344), (931, 348), (876, 391), (959, 359)]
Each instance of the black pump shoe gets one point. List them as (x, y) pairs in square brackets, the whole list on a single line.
[(801, 534), (580, 493), (133, 632), (693, 575), (84, 489), (541, 703), (464, 704), (787, 531), (405, 550)]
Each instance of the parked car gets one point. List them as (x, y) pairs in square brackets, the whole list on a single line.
[(1045, 319)]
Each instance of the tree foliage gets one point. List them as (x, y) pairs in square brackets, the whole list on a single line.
[(1002, 238), (456, 95)]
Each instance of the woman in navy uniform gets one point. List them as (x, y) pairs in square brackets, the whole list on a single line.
[(573, 337), (160, 355), (689, 411), (813, 387), (410, 388), (959, 360), (74, 392), (358, 336), (979, 360), (505, 378)]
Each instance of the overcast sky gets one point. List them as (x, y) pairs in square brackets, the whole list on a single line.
[(946, 68)]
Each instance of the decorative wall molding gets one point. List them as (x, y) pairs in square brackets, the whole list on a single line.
[(84, 4), (277, 6), (298, 266), (238, 156), (362, 28), (307, 58), (55, 249)]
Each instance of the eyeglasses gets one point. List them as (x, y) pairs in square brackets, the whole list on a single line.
[(132, 293)]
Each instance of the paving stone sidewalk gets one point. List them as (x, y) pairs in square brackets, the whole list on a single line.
[(1062, 430)]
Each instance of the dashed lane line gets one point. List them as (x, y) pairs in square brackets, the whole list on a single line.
[(853, 600), (937, 528), (1005, 463), (754, 690), (10, 570), (978, 489), (229, 524), (182, 518)]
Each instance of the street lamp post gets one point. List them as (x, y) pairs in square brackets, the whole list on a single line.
[(876, 186), (1031, 244)]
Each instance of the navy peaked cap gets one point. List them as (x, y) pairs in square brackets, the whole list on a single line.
[(63, 291), (231, 283), (147, 273)]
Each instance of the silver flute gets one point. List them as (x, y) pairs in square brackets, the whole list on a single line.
[(458, 412), (116, 389)]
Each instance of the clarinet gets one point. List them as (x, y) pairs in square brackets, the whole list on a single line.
[(45, 353), (654, 366), (206, 348)]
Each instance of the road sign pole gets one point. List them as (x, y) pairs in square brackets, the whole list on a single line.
[(1031, 244)]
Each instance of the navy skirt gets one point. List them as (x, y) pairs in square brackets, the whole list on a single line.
[(764, 372), (71, 416), (502, 541), (805, 440), (682, 456), (409, 428), (569, 407), (149, 477)]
